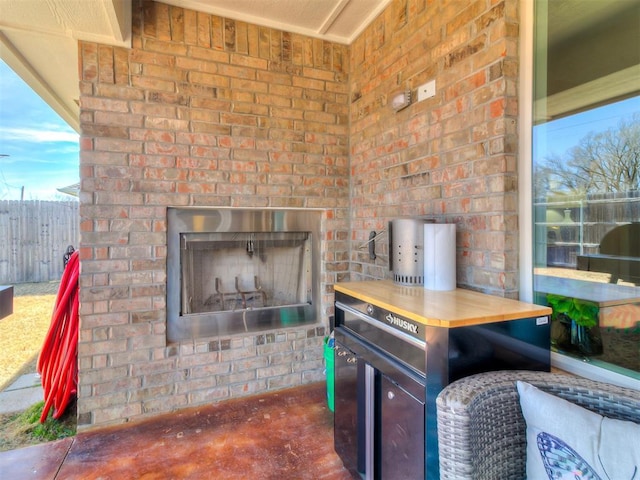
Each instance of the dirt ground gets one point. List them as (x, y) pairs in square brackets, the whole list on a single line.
[(22, 333)]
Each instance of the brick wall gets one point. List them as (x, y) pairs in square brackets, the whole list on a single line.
[(208, 111), (202, 111), (451, 157)]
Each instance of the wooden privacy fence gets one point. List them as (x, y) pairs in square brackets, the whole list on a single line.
[(34, 236)]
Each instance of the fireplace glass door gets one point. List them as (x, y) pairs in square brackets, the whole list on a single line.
[(238, 271)]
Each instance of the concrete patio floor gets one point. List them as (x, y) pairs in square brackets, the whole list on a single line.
[(21, 394), (281, 435)]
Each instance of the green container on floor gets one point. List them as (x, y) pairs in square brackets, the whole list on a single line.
[(329, 365)]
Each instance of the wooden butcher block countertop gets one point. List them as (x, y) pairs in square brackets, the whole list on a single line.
[(449, 309)]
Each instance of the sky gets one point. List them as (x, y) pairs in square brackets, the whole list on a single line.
[(42, 149), (565, 133)]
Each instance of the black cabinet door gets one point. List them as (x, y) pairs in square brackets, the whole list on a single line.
[(401, 433), (348, 426)]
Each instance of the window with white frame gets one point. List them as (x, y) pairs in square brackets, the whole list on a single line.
[(585, 180)]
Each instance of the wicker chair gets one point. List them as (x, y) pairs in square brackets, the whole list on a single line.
[(481, 430)]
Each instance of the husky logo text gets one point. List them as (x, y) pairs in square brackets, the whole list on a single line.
[(400, 323)]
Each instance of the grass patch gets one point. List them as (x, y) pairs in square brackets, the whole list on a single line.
[(22, 334), (24, 428)]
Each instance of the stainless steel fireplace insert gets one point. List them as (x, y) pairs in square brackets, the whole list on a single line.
[(235, 270)]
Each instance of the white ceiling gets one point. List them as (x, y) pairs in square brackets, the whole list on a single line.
[(38, 38), (336, 20)]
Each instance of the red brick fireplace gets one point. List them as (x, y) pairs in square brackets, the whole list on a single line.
[(209, 112)]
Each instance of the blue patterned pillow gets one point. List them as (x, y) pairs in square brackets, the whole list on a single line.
[(565, 441)]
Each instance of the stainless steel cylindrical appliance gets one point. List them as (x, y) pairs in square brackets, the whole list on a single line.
[(406, 251)]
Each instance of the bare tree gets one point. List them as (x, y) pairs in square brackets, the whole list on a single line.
[(607, 161)]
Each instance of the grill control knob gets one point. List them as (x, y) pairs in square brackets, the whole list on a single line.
[(370, 309), (390, 395)]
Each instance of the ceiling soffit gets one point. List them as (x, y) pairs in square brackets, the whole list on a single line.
[(338, 21), (39, 41)]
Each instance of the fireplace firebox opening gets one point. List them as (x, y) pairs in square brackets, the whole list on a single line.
[(240, 270)]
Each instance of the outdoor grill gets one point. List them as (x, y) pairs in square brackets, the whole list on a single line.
[(619, 255)]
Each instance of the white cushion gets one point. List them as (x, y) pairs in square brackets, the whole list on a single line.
[(567, 441)]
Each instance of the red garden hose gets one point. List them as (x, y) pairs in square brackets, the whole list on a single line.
[(58, 360)]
